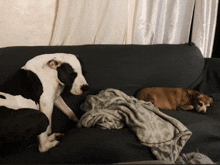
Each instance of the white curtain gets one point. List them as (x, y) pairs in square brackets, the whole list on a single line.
[(136, 22), (26, 22), (204, 25), (90, 22), (122, 22), (78, 22), (163, 21)]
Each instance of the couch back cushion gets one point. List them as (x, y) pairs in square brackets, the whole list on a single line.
[(124, 67)]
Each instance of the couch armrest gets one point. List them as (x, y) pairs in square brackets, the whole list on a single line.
[(210, 83)]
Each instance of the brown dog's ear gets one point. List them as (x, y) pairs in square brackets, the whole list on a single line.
[(211, 100), (193, 93), (54, 64)]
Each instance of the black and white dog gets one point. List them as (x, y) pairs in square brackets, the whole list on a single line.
[(38, 85)]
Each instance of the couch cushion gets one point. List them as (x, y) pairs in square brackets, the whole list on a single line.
[(87, 146), (125, 67), (129, 68), (19, 129)]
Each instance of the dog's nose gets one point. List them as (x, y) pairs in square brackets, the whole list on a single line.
[(85, 88), (202, 110)]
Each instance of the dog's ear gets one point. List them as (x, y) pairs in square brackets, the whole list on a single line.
[(210, 100), (194, 93), (54, 64)]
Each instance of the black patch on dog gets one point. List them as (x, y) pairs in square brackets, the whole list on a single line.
[(24, 83), (2, 97), (66, 75)]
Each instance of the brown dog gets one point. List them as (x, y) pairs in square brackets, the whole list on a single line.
[(173, 98)]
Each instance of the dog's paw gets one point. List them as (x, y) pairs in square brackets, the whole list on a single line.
[(48, 142), (74, 118), (55, 136), (79, 125), (44, 147), (187, 107)]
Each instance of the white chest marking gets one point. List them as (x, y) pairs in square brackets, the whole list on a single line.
[(17, 102)]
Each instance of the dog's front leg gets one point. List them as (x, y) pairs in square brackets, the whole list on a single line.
[(59, 102), (187, 107), (46, 142)]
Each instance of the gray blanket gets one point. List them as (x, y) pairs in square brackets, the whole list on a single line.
[(112, 109)]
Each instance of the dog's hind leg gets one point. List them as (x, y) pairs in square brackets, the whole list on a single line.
[(59, 102)]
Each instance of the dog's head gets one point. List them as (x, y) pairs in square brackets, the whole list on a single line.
[(70, 73), (202, 102)]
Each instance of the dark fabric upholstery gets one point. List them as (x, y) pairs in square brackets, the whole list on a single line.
[(127, 68), (19, 129), (88, 146), (210, 83)]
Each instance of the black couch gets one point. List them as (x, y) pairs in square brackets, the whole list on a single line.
[(124, 67)]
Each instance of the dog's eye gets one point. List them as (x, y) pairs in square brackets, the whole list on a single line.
[(200, 104)]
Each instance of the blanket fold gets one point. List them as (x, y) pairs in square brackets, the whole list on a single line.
[(112, 109)]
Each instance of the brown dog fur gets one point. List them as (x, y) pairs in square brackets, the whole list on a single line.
[(175, 98)]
